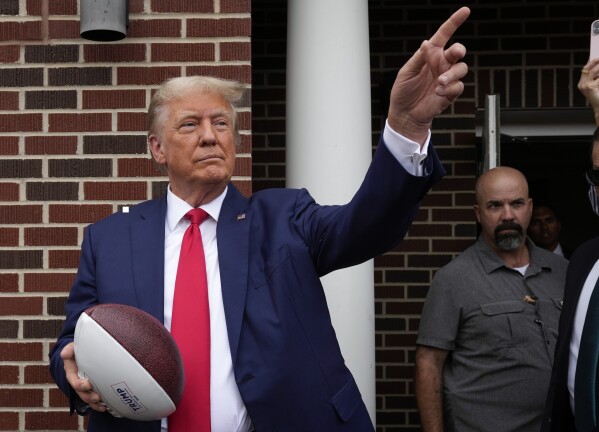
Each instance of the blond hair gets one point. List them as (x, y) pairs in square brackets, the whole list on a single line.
[(175, 88)]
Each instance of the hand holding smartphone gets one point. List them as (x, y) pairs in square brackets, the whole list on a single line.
[(594, 40)]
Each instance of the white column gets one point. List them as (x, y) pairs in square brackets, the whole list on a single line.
[(329, 150)]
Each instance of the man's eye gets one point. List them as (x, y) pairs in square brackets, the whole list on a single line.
[(187, 125)]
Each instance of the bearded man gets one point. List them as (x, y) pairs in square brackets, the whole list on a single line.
[(489, 323)]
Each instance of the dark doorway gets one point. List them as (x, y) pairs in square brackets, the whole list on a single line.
[(554, 167), (551, 146)]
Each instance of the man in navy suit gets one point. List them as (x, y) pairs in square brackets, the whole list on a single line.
[(275, 361), (563, 411)]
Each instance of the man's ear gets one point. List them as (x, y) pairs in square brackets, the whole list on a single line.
[(157, 149), (477, 212)]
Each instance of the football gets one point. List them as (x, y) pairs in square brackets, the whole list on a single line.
[(131, 360)]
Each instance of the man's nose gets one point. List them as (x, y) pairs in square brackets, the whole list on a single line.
[(207, 136), (508, 213)]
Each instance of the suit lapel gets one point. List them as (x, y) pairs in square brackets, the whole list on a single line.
[(232, 234), (147, 239)]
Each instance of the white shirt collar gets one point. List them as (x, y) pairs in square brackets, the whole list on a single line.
[(558, 250), (176, 208)]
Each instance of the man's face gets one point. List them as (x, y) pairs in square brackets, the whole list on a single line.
[(196, 142), (504, 211), (544, 228)]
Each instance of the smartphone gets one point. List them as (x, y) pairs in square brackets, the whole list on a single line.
[(594, 40)]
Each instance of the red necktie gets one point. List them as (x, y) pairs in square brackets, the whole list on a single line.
[(191, 329)]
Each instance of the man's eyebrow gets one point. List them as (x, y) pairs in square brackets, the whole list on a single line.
[(197, 115)]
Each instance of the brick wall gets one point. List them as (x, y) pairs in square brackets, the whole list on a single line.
[(528, 51), (73, 149)]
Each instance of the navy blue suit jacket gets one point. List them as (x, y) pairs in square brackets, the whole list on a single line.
[(286, 358), (558, 415)]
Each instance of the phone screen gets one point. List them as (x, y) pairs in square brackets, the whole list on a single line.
[(594, 40)]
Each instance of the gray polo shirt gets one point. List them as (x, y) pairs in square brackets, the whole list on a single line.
[(500, 328)]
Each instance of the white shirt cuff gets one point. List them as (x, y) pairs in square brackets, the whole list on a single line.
[(407, 152)]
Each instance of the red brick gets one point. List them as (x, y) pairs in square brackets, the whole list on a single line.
[(51, 420), (116, 191), (21, 306), (9, 236), (241, 73), (177, 6), (63, 29), (9, 145), (106, 99), (136, 167), (58, 399), (63, 259), (55, 7), (162, 28), (51, 145), (183, 52), (37, 374), (437, 200), (54, 236), (20, 214), (136, 6), (9, 101), (18, 398), (9, 282), (453, 215), (146, 75), (9, 421), (430, 230), (48, 282), (20, 352), (243, 167), (114, 53), (389, 260), (20, 122), (232, 51), (455, 246), (232, 6), (9, 192), (130, 121), (34, 7), (80, 122), (244, 119), (82, 213), (222, 27), (245, 146), (21, 31), (10, 375)]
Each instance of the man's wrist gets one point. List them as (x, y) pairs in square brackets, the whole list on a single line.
[(411, 130)]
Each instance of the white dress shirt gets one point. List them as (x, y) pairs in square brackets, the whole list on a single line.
[(228, 413)]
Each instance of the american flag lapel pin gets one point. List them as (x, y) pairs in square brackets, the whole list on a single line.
[(240, 216)]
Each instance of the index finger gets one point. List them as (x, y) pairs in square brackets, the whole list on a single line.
[(449, 27)]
